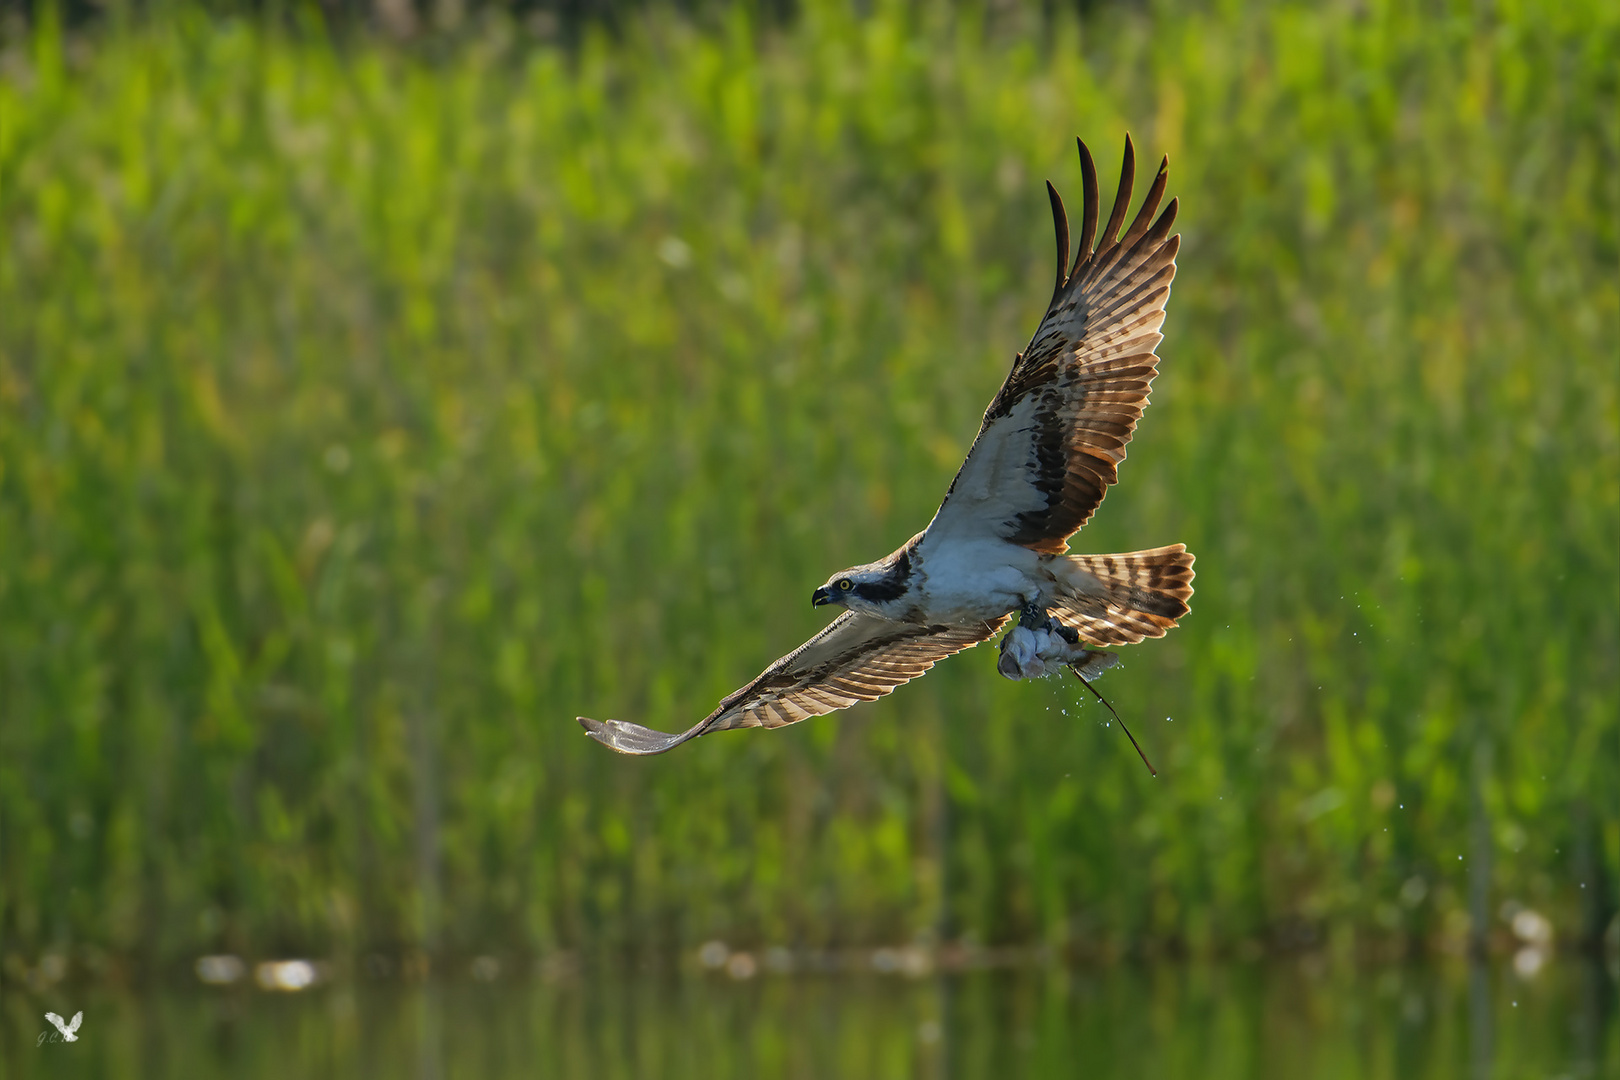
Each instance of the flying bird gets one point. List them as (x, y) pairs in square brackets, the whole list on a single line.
[(1047, 451)]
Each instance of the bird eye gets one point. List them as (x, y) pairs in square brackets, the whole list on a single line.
[(845, 584)]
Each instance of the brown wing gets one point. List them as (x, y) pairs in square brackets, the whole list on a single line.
[(1054, 435), (856, 658)]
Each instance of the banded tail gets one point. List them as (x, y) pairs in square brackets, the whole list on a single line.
[(1142, 595)]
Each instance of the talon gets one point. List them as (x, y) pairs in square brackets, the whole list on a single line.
[(1033, 617)]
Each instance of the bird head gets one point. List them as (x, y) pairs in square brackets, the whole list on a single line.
[(870, 588)]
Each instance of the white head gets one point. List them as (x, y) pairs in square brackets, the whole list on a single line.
[(874, 588)]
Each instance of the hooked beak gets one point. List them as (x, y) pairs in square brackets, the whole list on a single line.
[(821, 596)]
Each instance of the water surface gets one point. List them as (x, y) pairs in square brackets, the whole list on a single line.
[(1277, 1019)]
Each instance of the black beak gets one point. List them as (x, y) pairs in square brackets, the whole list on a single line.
[(821, 596)]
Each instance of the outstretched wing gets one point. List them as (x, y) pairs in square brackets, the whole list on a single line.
[(856, 658), (60, 1024), (1054, 435), (78, 1017)]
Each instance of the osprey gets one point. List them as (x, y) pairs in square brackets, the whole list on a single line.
[(1047, 451)]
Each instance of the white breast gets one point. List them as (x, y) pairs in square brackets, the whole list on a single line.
[(976, 578)]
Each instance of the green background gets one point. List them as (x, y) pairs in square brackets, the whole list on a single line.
[(368, 410)]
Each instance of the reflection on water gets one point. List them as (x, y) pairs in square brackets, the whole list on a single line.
[(1275, 1020)]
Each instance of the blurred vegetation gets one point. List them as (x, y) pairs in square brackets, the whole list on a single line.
[(427, 22), (366, 413)]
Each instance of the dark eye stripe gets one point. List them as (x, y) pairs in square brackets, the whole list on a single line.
[(883, 590)]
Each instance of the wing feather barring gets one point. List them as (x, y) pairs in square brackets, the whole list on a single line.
[(1048, 450)]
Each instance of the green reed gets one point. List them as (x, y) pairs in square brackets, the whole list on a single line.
[(367, 412)]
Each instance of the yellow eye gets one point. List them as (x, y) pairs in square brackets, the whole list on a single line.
[(845, 584)]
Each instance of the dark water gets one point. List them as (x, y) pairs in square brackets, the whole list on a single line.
[(1294, 1019)]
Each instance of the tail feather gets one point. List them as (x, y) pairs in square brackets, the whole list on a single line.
[(1141, 595)]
